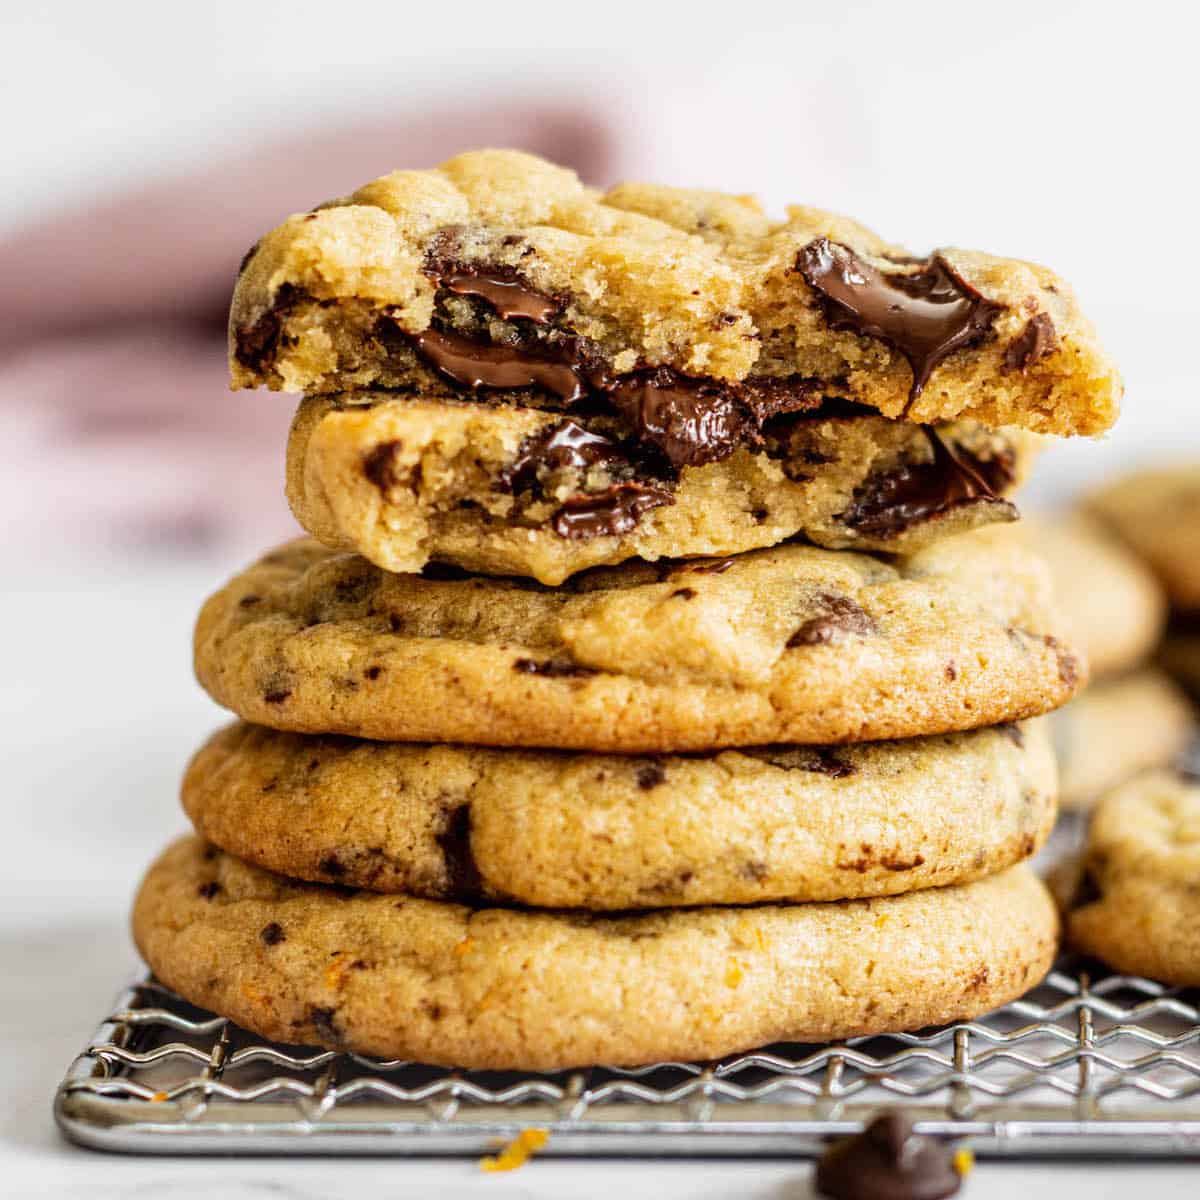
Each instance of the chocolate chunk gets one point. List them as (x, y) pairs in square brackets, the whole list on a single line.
[(322, 1020), (614, 511), (272, 934), (1036, 340), (888, 1161), (208, 890), (454, 841), (506, 292), (379, 466), (925, 314), (476, 365), (895, 501), (823, 761), (650, 776), (330, 865), (552, 668), (565, 446), (837, 617), (277, 695), (255, 343), (684, 593)]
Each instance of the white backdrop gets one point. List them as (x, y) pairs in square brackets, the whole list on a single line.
[(1062, 132)]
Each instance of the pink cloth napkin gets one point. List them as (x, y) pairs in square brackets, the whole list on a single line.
[(118, 426)]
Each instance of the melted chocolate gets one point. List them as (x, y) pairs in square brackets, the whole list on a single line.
[(454, 841), (893, 502), (925, 314), (474, 365), (614, 511), (1036, 340), (560, 447), (888, 1161), (509, 295)]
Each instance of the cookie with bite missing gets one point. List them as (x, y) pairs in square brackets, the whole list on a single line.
[(501, 274)]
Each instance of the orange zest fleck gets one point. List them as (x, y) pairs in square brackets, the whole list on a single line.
[(733, 976), (964, 1162), (518, 1152), (463, 946), (158, 1097)]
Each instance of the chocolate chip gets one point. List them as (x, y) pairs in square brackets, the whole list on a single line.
[(838, 616), (277, 695), (373, 672), (1068, 663), (249, 601), (552, 668), (272, 934), (614, 511), (888, 1161), (823, 761), (258, 341), (395, 623), (330, 865), (650, 776), (328, 1032), (894, 501), (925, 314), (506, 292), (454, 840), (379, 465), (684, 593), (899, 864), (951, 672), (206, 891), (1036, 340)]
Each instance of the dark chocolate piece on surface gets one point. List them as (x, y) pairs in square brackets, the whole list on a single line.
[(836, 617), (896, 500), (1035, 341), (926, 314), (454, 841), (888, 1161)]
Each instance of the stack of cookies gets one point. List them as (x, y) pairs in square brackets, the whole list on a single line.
[(650, 689)]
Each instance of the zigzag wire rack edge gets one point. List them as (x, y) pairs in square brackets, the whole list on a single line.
[(1090, 1064)]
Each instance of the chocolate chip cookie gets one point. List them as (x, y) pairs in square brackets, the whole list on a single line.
[(1157, 513), (791, 644), (1115, 607), (693, 315), (448, 984), (1138, 906), (518, 491), (602, 832), (1119, 727)]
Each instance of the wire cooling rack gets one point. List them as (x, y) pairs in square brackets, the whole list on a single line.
[(1089, 1063)]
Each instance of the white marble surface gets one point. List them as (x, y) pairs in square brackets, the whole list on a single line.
[(99, 713)]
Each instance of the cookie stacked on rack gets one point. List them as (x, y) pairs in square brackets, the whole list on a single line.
[(650, 689)]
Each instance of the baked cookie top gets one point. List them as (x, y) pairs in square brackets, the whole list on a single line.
[(1157, 513), (683, 309), (521, 491), (1118, 728), (603, 832), (791, 644), (1113, 604), (510, 989), (1138, 907)]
